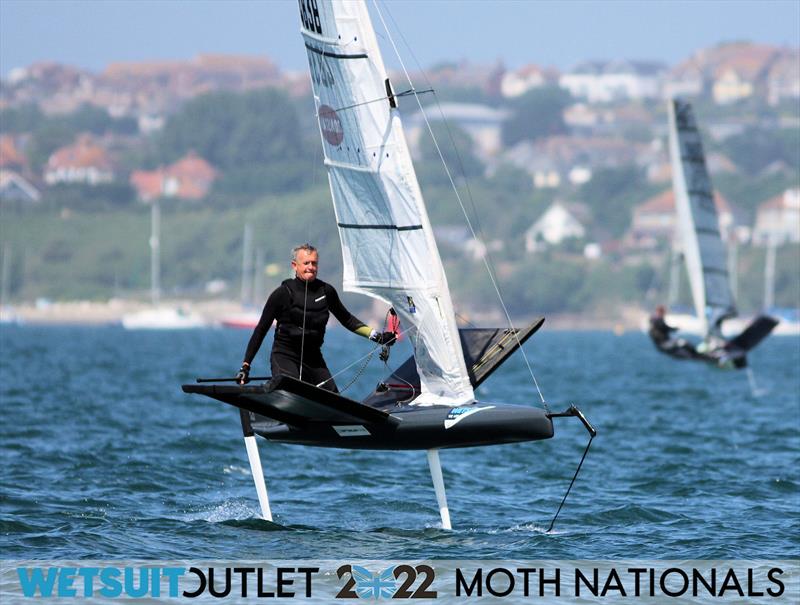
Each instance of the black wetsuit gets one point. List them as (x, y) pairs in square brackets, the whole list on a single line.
[(660, 332), (302, 310)]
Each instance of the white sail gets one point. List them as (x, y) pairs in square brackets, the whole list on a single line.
[(698, 223), (388, 247)]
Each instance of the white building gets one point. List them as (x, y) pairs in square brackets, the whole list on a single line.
[(606, 81), (778, 220), (482, 123), (517, 83), (559, 222)]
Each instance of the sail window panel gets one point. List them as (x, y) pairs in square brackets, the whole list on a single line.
[(363, 198), (442, 379), (383, 258), (382, 237)]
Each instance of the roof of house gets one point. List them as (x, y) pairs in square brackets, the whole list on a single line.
[(664, 203), (788, 199), (148, 183), (193, 174), (786, 65), (84, 153), (10, 179), (10, 156), (192, 166), (748, 62)]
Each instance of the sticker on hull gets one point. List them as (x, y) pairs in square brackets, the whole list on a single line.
[(456, 415)]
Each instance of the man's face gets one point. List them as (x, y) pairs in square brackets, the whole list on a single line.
[(305, 267)]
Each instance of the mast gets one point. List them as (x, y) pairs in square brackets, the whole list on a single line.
[(247, 266), (769, 275), (5, 275), (733, 264), (155, 253)]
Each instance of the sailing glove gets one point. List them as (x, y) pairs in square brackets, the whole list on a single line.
[(243, 377), (384, 338)]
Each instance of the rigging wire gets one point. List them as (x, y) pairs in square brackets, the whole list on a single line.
[(458, 195)]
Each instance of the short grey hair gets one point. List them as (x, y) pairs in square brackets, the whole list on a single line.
[(307, 247)]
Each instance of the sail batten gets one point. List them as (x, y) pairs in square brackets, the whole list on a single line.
[(388, 248), (698, 222)]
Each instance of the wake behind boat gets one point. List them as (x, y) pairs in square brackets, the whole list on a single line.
[(389, 253), (704, 253)]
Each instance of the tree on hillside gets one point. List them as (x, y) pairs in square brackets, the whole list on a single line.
[(254, 139), (612, 193), (88, 118), (756, 148), (48, 133), (234, 131), (457, 150), (16, 120), (538, 113)]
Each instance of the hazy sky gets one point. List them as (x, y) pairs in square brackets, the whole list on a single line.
[(93, 33)]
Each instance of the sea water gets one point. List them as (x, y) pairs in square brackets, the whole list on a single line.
[(103, 457)]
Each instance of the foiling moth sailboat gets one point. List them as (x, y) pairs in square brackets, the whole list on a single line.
[(703, 251), (389, 253)]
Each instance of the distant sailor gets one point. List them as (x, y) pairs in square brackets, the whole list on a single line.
[(301, 306), (661, 334), (660, 331)]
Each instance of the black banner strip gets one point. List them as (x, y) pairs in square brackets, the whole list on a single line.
[(325, 53), (394, 227)]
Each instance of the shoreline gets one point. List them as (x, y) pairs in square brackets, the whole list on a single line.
[(93, 313)]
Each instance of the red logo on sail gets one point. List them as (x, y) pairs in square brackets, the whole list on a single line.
[(331, 125)]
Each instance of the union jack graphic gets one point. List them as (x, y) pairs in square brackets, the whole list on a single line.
[(374, 586)]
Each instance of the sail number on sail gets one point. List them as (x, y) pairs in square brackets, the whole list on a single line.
[(320, 70), (309, 15)]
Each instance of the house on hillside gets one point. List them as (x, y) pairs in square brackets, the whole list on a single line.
[(14, 187), (783, 77), (740, 76), (559, 160), (459, 238), (687, 79), (11, 158), (656, 220), (85, 161), (190, 178), (606, 81), (482, 123), (778, 220), (518, 82), (561, 221)]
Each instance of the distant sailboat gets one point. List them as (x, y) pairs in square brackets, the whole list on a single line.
[(160, 317), (703, 252), (8, 315), (248, 317)]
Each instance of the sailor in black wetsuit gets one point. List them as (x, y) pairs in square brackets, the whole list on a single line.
[(660, 333), (301, 307)]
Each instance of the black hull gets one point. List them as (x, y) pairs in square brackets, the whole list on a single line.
[(421, 428), (731, 355), (289, 411)]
